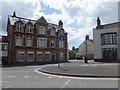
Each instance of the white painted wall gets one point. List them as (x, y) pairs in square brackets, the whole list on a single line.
[(82, 48), (97, 41)]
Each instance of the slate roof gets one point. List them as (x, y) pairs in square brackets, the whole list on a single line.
[(25, 21)]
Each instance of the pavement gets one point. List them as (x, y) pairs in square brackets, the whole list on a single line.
[(77, 68)]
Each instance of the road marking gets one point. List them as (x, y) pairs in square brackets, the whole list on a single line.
[(11, 76), (49, 77), (69, 77), (26, 76), (65, 84), (36, 77), (7, 86), (60, 76)]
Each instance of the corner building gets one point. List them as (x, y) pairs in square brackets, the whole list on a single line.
[(36, 41), (106, 42)]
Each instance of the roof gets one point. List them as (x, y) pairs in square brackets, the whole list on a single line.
[(110, 25), (88, 40), (25, 21)]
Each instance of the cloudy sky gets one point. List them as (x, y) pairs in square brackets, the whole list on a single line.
[(78, 16)]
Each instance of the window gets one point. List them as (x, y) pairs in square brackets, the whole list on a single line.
[(41, 30), (28, 41), (19, 27), (18, 41), (109, 38), (109, 53), (30, 56), (20, 56), (41, 42), (29, 28), (61, 55), (47, 56), (52, 42), (39, 56), (4, 47), (52, 33)]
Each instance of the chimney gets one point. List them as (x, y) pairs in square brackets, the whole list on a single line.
[(60, 23), (87, 37), (98, 21), (14, 14)]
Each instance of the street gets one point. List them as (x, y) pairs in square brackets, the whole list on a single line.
[(26, 77)]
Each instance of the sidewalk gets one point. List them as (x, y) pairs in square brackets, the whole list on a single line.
[(78, 68)]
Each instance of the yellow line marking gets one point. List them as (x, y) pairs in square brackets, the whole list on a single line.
[(70, 77)]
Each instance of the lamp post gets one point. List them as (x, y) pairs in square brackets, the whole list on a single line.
[(87, 37)]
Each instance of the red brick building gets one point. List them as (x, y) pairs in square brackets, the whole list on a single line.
[(36, 41)]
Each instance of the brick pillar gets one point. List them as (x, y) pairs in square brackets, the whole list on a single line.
[(57, 40), (66, 47)]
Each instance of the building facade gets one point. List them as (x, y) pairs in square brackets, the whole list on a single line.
[(86, 49), (3, 49), (107, 42), (36, 41)]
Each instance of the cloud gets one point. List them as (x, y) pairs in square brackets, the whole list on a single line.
[(78, 16)]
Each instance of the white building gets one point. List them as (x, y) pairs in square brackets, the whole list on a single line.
[(86, 49), (106, 42)]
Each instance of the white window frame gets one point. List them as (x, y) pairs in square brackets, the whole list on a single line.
[(52, 43), (41, 30), (41, 42), (52, 32), (29, 41), (19, 41), (61, 55), (29, 28), (19, 27)]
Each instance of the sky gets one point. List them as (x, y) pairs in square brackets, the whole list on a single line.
[(78, 16)]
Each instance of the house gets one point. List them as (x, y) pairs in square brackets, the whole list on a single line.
[(106, 42), (3, 50), (86, 49), (36, 41)]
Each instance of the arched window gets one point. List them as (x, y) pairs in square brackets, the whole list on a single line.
[(29, 28), (19, 27)]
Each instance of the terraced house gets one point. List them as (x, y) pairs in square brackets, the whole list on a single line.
[(36, 41)]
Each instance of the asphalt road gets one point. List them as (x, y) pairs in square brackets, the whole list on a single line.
[(26, 77)]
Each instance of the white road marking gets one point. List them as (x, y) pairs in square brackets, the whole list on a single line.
[(36, 77), (60, 76), (11, 76), (65, 84), (49, 77), (7, 86), (26, 76)]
